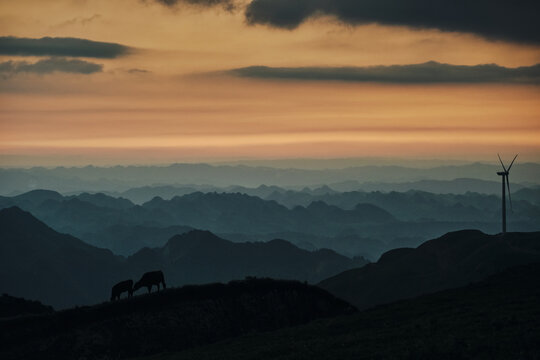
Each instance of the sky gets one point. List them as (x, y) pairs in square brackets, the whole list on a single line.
[(109, 82)]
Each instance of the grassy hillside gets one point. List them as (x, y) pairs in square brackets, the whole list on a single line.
[(171, 320), (498, 318)]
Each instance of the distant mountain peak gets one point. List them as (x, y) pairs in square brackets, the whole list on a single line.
[(40, 195)]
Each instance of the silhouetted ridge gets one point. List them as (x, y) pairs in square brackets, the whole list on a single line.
[(452, 260), (394, 255)]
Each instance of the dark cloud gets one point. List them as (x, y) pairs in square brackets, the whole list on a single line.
[(512, 20), (138, 71), (226, 4), (430, 72), (47, 46), (51, 65)]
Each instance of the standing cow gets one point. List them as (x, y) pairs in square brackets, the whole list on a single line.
[(121, 287), (149, 279)]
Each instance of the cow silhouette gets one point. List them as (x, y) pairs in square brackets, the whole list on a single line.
[(121, 287), (149, 279)]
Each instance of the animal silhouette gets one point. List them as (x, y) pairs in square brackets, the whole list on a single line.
[(149, 279), (121, 287)]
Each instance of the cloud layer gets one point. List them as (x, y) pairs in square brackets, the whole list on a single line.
[(513, 20), (426, 73), (73, 47), (50, 65), (226, 4)]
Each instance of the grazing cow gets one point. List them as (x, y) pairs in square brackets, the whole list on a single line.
[(121, 287), (149, 279)]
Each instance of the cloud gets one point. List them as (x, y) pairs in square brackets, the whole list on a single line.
[(78, 21), (511, 20), (426, 73), (47, 46), (138, 71), (226, 4), (50, 65)]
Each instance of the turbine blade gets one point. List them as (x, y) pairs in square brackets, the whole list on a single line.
[(501, 162), (512, 163), (509, 196)]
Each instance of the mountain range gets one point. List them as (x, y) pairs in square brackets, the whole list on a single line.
[(353, 223), (121, 178)]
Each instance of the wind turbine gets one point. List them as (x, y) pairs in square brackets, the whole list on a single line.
[(504, 175)]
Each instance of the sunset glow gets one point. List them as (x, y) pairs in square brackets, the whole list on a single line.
[(170, 99)]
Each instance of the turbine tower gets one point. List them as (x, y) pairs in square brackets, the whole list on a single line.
[(504, 175)]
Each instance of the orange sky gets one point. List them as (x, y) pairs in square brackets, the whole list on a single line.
[(167, 114)]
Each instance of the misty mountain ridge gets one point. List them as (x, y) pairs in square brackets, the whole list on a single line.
[(221, 213), (354, 223), (121, 178)]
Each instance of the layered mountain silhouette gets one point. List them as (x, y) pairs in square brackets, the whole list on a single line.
[(88, 217), (39, 263), (452, 260), (354, 223), (420, 205)]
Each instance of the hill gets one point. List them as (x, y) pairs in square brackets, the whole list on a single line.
[(452, 260), (202, 257), (496, 319), (171, 320), (39, 263)]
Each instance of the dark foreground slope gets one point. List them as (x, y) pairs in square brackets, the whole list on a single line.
[(498, 318), (172, 320), (452, 260)]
